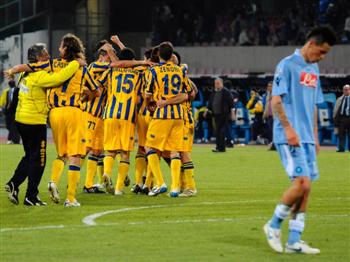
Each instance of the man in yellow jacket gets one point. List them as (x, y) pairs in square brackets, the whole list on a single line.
[(31, 117)]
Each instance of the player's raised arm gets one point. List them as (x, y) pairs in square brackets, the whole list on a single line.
[(9, 73), (115, 39)]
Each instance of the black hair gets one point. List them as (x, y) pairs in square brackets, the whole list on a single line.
[(12, 83), (166, 49), (98, 47), (35, 51), (148, 53), (155, 54), (127, 54), (322, 34), (178, 56)]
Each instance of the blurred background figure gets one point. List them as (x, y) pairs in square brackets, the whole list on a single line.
[(341, 116), (255, 107), (8, 103), (220, 104), (268, 115)]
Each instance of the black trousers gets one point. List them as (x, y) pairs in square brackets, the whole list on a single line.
[(32, 165), (13, 134), (221, 122), (344, 130)]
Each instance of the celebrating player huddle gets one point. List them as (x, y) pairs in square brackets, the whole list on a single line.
[(98, 110)]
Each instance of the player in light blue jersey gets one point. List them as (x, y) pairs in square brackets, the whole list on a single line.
[(295, 94)]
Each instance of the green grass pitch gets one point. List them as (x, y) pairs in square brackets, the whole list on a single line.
[(238, 191)]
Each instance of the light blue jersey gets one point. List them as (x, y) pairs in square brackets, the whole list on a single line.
[(298, 83)]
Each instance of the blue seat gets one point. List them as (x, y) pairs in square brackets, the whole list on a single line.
[(325, 123), (241, 126)]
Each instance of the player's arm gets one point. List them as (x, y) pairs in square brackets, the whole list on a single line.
[(278, 110), (47, 80), (92, 89), (178, 99), (317, 143), (115, 39), (194, 91), (131, 63), (9, 73)]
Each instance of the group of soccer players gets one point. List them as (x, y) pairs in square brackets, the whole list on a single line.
[(97, 113)]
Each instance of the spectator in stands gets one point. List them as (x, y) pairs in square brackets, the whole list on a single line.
[(255, 107), (268, 115), (341, 115), (9, 101), (243, 38), (220, 104)]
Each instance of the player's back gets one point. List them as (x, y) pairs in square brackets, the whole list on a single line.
[(167, 81), (123, 86)]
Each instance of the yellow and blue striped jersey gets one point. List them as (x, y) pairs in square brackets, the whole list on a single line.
[(167, 81), (122, 89), (96, 105), (142, 106), (69, 93)]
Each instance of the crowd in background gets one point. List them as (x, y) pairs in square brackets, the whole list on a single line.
[(247, 23)]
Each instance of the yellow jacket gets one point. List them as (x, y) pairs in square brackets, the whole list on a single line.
[(3, 98), (32, 106), (254, 105)]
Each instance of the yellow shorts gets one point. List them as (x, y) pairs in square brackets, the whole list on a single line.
[(68, 131), (118, 135), (188, 137), (165, 134), (142, 127), (94, 132)]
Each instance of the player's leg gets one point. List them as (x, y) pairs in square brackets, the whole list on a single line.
[(123, 169), (76, 147), (58, 126), (188, 175), (297, 221), (140, 169), (295, 164)]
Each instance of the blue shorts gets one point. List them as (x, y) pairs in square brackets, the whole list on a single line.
[(299, 161)]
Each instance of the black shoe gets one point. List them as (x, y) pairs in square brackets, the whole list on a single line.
[(12, 192), (136, 189), (218, 151), (340, 150), (33, 202), (127, 181), (230, 145), (145, 190), (93, 190)]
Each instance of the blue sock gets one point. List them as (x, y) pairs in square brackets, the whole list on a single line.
[(281, 213), (296, 228)]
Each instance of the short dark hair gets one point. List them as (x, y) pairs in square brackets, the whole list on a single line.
[(166, 49), (127, 54), (148, 53), (155, 54), (74, 47), (322, 34), (12, 83), (98, 47), (178, 56), (34, 51)]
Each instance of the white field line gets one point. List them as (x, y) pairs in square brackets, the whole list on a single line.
[(90, 220), (178, 221)]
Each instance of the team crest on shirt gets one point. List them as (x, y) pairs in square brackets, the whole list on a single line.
[(308, 79)]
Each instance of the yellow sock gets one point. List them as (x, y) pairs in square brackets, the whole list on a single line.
[(154, 165), (118, 157), (123, 169), (189, 175), (82, 161), (91, 168), (175, 173), (140, 167), (73, 180), (149, 178), (100, 168), (57, 169), (108, 163)]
